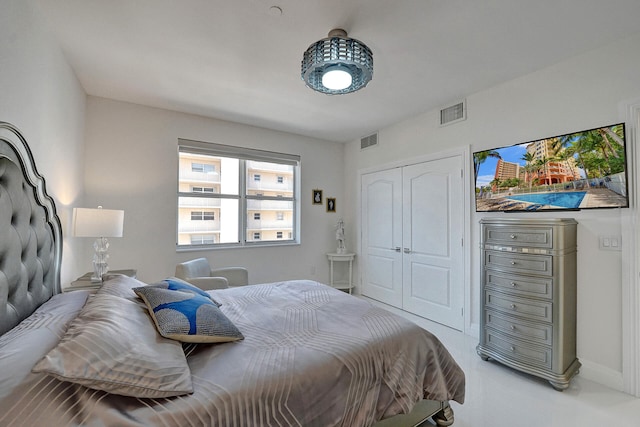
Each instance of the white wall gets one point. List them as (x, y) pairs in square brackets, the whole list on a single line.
[(42, 97), (579, 93), (132, 164)]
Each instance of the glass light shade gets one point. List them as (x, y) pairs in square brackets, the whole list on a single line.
[(336, 79), (350, 57), (99, 223)]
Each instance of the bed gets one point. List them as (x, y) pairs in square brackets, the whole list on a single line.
[(294, 353)]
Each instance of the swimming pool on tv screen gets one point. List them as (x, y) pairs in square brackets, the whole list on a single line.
[(569, 200)]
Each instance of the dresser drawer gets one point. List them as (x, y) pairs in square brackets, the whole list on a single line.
[(519, 263), (540, 333), (532, 354), (529, 309), (539, 287), (532, 237)]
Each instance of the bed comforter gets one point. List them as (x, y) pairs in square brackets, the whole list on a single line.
[(311, 356)]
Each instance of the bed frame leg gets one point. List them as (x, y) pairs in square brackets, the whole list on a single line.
[(444, 417)]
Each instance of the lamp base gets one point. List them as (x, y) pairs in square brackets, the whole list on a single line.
[(100, 257)]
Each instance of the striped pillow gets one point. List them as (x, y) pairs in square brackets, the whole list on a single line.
[(112, 346)]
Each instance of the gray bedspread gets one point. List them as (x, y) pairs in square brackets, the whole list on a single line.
[(312, 356)]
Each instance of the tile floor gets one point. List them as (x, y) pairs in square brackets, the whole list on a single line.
[(497, 396)]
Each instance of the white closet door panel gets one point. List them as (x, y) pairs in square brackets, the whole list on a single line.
[(432, 240), (381, 234)]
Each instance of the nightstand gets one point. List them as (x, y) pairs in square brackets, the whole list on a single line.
[(84, 282), (345, 282)]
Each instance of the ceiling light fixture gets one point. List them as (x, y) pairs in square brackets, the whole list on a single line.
[(337, 64)]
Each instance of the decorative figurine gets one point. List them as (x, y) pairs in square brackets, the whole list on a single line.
[(340, 237)]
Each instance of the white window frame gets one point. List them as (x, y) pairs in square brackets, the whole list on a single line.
[(243, 155)]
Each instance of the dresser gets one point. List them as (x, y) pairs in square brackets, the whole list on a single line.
[(528, 303)]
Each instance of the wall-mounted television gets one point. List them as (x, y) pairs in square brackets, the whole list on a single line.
[(579, 170)]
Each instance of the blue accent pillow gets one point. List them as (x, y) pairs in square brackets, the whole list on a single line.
[(187, 316), (175, 284)]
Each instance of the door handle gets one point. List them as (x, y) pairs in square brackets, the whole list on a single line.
[(397, 249), (407, 250)]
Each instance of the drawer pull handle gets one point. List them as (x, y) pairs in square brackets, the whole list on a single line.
[(513, 263), (513, 236), (513, 306), (513, 327), (513, 348), (514, 284)]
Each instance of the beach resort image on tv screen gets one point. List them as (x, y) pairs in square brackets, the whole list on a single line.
[(580, 170)]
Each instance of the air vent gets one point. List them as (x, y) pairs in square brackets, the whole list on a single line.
[(369, 141), (453, 114)]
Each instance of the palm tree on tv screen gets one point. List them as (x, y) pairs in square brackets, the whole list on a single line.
[(598, 152), (480, 157)]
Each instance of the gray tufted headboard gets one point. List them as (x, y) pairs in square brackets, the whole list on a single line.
[(30, 233)]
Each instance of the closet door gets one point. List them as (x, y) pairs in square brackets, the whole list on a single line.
[(381, 215), (433, 230)]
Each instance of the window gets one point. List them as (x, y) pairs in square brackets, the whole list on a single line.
[(202, 190), (202, 167), (227, 206), (202, 216), (199, 239)]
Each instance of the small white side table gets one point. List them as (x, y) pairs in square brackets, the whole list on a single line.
[(343, 284)]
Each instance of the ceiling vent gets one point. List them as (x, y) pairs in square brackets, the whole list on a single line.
[(369, 141), (453, 114)]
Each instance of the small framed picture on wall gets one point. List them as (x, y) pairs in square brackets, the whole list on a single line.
[(317, 197), (331, 204)]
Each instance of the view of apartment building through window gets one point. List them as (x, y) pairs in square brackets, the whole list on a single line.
[(233, 200)]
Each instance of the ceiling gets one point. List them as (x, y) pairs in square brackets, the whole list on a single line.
[(237, 60)]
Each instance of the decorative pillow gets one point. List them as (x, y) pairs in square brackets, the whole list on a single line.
[(112, 346), (175, 284), (187, 316)]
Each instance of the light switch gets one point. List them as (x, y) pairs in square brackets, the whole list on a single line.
[(610, 243)]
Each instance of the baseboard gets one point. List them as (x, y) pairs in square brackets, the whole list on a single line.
[(602, 375)]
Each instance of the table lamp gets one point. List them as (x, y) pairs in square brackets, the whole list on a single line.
[(99, 223)]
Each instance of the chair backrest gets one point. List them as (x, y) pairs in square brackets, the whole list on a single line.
[(194, 268)]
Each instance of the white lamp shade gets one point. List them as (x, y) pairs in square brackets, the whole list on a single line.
[(97, 222)]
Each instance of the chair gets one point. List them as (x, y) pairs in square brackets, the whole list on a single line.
[(198, 272)]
